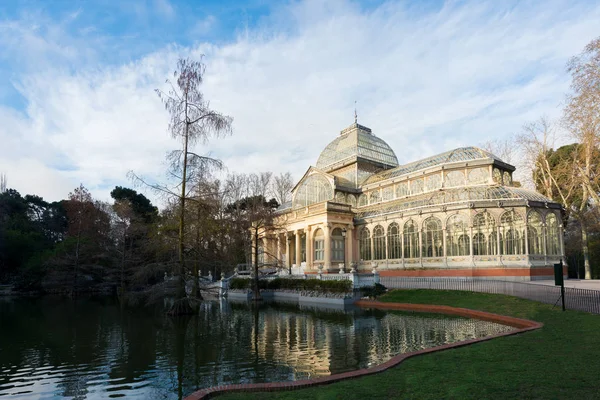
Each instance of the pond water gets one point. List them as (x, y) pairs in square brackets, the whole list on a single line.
[(90, 348)]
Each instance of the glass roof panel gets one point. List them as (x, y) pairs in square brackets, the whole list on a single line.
[(456, 155)]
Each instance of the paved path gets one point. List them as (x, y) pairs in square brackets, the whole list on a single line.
[(593, 284)]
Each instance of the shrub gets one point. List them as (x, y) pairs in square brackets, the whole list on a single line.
[(374, 291), (239, 284)]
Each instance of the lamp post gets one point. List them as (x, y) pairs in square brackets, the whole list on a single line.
[(344, 248)]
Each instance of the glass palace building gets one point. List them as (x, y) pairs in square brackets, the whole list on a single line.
[(455, 214)]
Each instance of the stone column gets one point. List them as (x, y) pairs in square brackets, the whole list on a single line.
[(401, 233), (288, 263), (327, 238), (471, 245), (420, 248), (309, 248), (278, 254), (349, 245), (498, 245), (372, 244), (445, 251), (298, 248)]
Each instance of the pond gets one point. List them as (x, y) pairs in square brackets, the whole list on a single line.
[(90, 348)]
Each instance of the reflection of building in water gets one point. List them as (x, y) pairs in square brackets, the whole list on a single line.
[(313, 346)]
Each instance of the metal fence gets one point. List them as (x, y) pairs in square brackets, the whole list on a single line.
[(575, 299)]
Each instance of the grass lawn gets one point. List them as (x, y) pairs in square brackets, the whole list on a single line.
[(559, 361)]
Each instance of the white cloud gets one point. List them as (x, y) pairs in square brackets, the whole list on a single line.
[(425, 81)]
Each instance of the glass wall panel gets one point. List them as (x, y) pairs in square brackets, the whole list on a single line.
[(457, 236), (507, 178), (478, 175), (340, 197), (319, 244), (512, 233), (553, 234), (416, 186), (379, 243), (364, 244), (534, 233), (387, 193), (454, 178), (434, 182), (433, 245), (362, 200), (374, 197), (337, 245), (394, 244), (315, 189), (402, 189), (485, 235), (351, 199), (411, 240)]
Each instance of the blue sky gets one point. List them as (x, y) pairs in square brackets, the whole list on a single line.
[(77, 103)]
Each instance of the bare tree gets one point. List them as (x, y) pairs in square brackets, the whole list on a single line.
[(582, 120), (503, 148), (537, 140), (191, 121), (282, 187), (2, 183)]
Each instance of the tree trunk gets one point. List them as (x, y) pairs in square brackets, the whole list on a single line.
[(182, 305), (585, 250)]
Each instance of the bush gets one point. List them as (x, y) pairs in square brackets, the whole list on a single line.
[(374, 291), (239, 284), (315, 285)]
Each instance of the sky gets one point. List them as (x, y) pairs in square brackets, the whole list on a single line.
[(77, 100)]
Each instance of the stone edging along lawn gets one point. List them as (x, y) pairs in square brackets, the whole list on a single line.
[(522, 325)]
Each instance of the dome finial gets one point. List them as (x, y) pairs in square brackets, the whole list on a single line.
[(355, 116)]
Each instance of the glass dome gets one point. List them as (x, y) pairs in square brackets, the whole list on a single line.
[(356, 142)]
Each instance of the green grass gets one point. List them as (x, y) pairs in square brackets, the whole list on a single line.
[(559, 361)]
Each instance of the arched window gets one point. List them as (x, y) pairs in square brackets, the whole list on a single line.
[(319, 241), (534, 233), (374, 197), (337, 245), (362, 200), (387, 193), (552, 234), (402, 189), (411, 240), (512, 233), (379, 243), (416, 186), (484, 235), (365, 244), (457, 236), (433, 245), (315, 189), (454, 178), (507, 178), (394, 244), (497, 176), (351, 199), (340, 197)]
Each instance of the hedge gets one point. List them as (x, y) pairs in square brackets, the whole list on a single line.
[(317, 285)]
